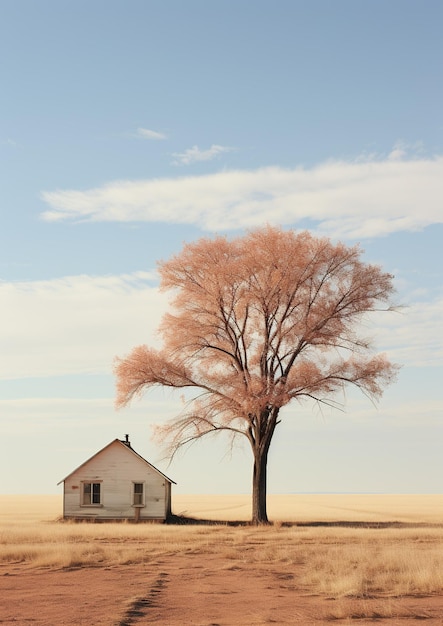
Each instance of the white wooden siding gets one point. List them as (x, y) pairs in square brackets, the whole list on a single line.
[(117, 468)]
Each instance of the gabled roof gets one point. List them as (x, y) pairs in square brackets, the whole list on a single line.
[(128, 447)]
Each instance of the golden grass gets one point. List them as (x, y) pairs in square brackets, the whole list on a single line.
[(367, 563), (340, 562)]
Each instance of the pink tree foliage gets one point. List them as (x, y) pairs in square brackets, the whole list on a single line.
[(257, 322)]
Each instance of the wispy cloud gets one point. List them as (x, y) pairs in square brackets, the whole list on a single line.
[(76, 324), (346, 199), (35, 412), (194, 154), (401, 150), (412, 336), (146, 133), (9, 142)]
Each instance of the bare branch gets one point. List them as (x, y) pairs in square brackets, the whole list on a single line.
[(255, 323)]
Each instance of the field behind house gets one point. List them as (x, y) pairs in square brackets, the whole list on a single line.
[(325, 558), (295, 508), (318, 508)]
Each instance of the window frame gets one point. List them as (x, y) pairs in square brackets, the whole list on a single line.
[(134, 493), (91, 483)]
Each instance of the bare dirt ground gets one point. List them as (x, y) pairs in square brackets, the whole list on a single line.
[(189, 590), (198, 589)]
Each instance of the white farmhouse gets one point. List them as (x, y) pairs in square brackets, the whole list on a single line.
[(117, 484)]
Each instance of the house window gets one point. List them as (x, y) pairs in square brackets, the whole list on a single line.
[(91, 494), (138, 495)]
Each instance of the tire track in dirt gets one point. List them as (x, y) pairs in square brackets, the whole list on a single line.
[(140, 606), (216, 592), (189, 589)]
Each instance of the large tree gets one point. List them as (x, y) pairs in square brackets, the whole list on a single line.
[(256, 322)]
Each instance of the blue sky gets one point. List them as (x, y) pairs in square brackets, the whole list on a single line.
[(128, 128)]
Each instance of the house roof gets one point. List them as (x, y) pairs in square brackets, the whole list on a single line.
[(128, 447)]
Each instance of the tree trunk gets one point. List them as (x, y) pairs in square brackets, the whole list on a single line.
[(260, 447), (259, 486)]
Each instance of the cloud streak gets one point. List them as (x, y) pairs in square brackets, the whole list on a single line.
[(76, 324), (146, 133), (194, 154), (357, 199), (412, 336)]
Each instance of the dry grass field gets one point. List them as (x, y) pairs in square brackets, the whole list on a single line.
[(325, 559)]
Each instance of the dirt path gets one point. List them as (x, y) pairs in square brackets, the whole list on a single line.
[(189, 591), (92, 597)]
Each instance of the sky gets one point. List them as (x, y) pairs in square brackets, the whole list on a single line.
[(130, 128)]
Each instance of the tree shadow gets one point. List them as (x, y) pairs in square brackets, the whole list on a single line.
[(195, 521)]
